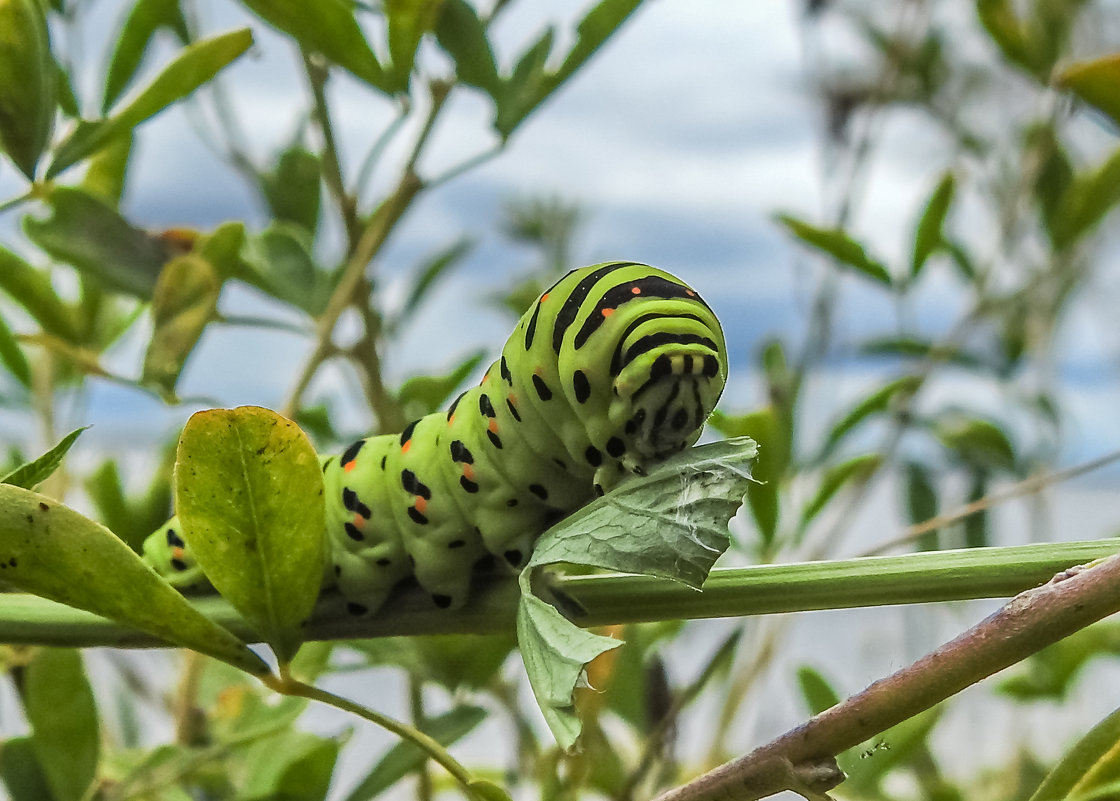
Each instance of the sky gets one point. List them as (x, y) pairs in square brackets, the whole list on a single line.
[(680, 141)]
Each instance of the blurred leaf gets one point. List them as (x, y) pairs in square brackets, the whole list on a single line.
[(815, 690), (29, 475), (12, 355), (28, 83), (460, 32), (684, 504), (196, 64), (92, 236), (107, 168), (421, 395), (292, 189), (292, 765), (408, 21), (774, 444), (1051, 674), (856, 470), (65, 733), (1091, 764), (222, 248), (1053, 175), (1096, 82), (977, 442), (184, 302), (249, 495), (130, 520), (454, 661), (599, 24), (31, 289), (54, 552), (976, 524), (432, 271), (405, 757), (921, 502), (279, 261), (1088, 198), (917, 348), (144, 19), (1010, 35), (327, 27), (878, 402), (526, 83), (21, 772), (839, 245), (928, 236)]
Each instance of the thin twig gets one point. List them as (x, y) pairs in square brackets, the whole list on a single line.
[(800, 760)]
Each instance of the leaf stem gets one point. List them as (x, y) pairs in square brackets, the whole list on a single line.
[(286, 685)]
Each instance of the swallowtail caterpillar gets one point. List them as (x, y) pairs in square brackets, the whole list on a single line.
[(614, 368)]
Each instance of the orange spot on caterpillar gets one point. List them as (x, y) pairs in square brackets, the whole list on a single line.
[(421, 504), (493, 425), (359, 522), (177, 552), (468, 472), (406, 447), (635, 290), (544, 297), (690, 293), (349, 466), (451, 420), (608, 312)]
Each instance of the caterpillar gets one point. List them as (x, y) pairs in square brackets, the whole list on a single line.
[(613, 368)]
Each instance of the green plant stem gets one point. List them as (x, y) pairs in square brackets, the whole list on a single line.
[(802, 759), (286, 685), (616, 598)]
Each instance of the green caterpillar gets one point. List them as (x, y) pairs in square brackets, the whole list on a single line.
[(614, 368)]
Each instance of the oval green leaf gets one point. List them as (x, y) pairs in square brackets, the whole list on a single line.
[(1096, 82), (54, 552), (249, 494)]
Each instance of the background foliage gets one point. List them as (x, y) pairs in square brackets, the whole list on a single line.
[(1010, 247)]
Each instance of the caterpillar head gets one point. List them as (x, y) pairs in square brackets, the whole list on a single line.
[(666, 396)]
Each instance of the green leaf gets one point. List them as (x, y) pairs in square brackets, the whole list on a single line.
[(1091, 764), (600, 23), (460, 32), (143, 21), (878, 402), (195, 65), (292, 189), (1011, 36), (12, 355), (35, 472), (839, 245), (406, 757), (859, 469), (1053, 175), (917, 348), (86, 232), (1090, 196), (1052, 673), (28, 83), (928, 236), (31, 289), (681, 510), (292, 765), (1096, 82), (105, 174), (423, 395), (327, 27), (65, 732), (766, 428), (555, 653), (408, 21), (921, 502), (486, 790), (279, 261), (815, 689), (976, 524), (977, 442), (54, 552), (249, 495), (21, 772), (184, 302), (433, 269)]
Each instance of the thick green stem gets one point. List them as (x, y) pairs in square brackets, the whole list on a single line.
[(613, 598)]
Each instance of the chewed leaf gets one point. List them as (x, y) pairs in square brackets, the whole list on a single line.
[(54, 552), (672, 523), (249, 494)]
